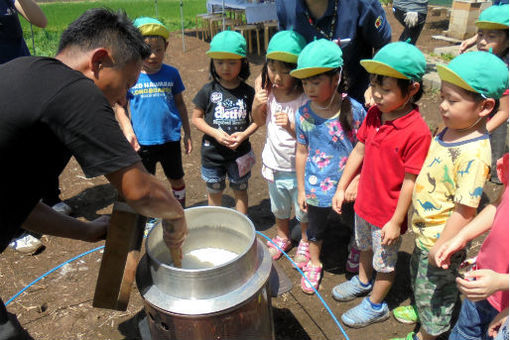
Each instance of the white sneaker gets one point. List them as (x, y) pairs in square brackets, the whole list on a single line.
[(26, 244), (63, 208)]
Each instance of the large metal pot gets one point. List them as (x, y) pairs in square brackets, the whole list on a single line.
[(213, 298)]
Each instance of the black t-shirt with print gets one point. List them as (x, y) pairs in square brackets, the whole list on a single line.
[(228, 109), (49, 113)]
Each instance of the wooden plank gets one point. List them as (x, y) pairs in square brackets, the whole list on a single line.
[(120, 258)]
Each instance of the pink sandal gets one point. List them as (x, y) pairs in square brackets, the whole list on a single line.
[(314, 275), (284, 244), (302, 255)]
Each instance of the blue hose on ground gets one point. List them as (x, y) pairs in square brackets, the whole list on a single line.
[(51, 271), (261, 234), (315, 290)]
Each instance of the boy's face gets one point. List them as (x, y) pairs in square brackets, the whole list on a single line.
[(320, 88), (387, 95), (158, 47), (495, 39), (458, 108)]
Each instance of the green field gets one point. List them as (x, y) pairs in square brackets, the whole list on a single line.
[(60, 14)]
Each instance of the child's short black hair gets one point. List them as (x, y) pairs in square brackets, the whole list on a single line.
[(266, 83), (403, 85), (154, 36), (243, 74), (100, 27)]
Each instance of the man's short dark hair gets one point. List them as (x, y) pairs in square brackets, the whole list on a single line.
[(101, 27)]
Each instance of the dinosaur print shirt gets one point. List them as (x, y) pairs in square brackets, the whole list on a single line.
[(453, 173)]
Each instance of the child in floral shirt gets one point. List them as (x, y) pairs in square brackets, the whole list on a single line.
[(325, 131)]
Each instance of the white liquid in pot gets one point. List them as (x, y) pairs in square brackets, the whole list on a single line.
[(206, 258)]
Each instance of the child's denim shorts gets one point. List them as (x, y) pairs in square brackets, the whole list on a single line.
[(214, 178)]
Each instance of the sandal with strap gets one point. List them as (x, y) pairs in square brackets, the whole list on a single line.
[(284, 244), (302, 255)]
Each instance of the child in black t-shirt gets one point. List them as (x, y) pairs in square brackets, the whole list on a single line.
[(222, 112)]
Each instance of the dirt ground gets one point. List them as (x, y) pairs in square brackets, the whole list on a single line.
[(60, 305)]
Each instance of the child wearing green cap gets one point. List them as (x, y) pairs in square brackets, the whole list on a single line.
[(156, 112), (493, 37), (392, 145), (450, 185), (275, 105), (222, 112), (326, 129)]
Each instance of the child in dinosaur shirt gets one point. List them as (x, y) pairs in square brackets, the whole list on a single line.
[(450, 184)]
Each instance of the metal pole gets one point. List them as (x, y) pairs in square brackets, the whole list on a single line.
[(33, 40), (182, 27), (223, 13)]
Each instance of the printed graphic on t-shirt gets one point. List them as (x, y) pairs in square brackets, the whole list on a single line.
[(229, 114), (150, 89)]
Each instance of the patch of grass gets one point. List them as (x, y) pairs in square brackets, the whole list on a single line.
[(60, 15), (444, 56)]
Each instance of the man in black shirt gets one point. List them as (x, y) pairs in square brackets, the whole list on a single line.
[(55, 108)]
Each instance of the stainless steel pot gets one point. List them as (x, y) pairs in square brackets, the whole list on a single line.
[(206, 299)]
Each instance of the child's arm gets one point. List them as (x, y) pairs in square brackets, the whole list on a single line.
[(183, 112), (459, 218), (239, 137), (259, 107), (199, 122), (498, 322), (301, 154), (351, 169), (122, 116), (500, 117), (479, 225), (391, 230)]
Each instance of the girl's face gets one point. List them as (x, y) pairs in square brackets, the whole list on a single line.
[(227, 69), (279, 75), (495, 39), (388, 95), (158, 47), (320, 88), (458, 109)]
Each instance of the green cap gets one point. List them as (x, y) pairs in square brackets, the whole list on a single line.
[(285, 46), (400, 60), (227, 45), (494, 18), (151, 26), (480, 72), (318, 57)]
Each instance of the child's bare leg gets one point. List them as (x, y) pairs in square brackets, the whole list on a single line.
[(282, 228), (365, 266), (382, 285), (241, 198), (315, 252), (304, 226), (214, 199)]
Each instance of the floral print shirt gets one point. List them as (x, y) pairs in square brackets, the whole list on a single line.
[(328, 146)]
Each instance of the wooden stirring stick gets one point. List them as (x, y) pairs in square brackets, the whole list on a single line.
[(176, 253)]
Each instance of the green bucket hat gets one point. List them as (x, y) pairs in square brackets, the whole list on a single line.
[(285, 46), (151, 26), (494, 18), (318, 57), (400, 60), (227, 45), (480, 72)]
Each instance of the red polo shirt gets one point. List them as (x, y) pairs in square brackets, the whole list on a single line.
[(391, 150)]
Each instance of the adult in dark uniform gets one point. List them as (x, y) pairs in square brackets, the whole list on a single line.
[(360, 27), (55, 108)]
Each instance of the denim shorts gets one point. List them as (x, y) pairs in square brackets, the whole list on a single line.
[(283, 194), (474, 320), (214, 178), (368, 237)]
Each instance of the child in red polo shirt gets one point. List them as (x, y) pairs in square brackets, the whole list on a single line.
[(393, 143)]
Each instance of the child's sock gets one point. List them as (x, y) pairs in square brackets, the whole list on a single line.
[(376, 306), (180, 195), (364, 285)]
